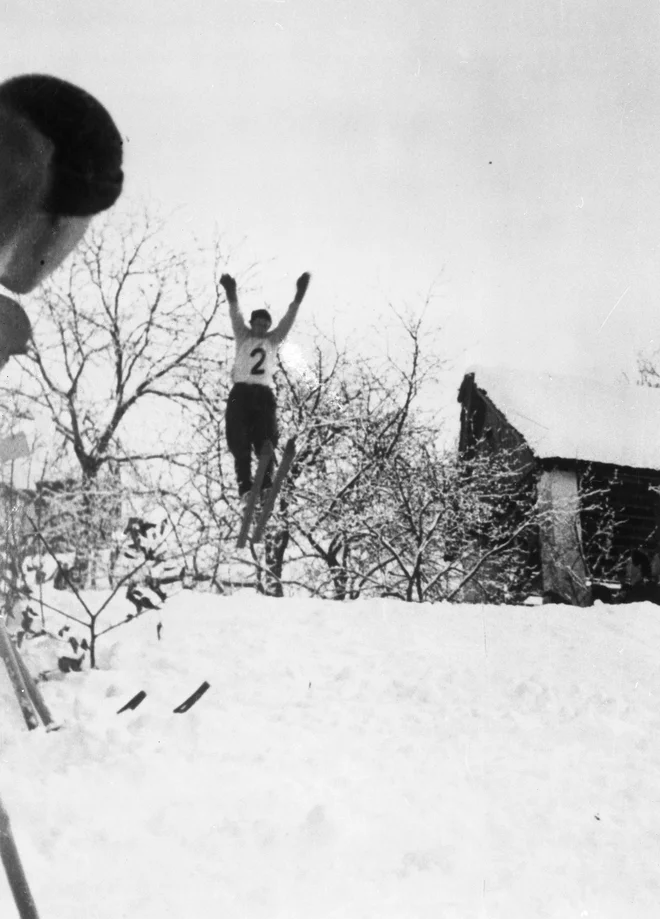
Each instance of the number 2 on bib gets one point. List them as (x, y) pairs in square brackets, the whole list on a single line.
[(257, 368)]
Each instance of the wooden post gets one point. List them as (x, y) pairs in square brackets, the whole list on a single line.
[(12, 667), (33, 691), (562, 558)]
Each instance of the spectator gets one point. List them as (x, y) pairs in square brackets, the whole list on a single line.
[(640, 585)]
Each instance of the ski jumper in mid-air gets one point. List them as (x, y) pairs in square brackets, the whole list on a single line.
[(251, 417)]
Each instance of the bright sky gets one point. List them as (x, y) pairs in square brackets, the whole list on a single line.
[(502, 155)]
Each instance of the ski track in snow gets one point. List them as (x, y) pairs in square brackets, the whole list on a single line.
[(364, 760)]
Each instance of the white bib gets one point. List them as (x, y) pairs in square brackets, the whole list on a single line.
[(255, 361)]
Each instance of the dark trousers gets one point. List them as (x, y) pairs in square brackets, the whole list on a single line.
[(251, 419)]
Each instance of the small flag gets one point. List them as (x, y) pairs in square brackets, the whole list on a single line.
[(13, 447)]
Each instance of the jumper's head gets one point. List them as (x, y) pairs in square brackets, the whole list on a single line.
[(260, 322), (60, 163)]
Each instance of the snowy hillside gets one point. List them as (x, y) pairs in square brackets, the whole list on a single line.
[(350, 761)]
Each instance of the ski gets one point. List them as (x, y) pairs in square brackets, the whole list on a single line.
[(265, 458), (134, 702), (185, 706), (29, 699), (268, 505), (190, 701)]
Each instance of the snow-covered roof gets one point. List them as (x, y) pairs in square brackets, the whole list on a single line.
[(572, 418)]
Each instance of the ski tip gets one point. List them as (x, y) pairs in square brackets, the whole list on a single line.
[(190, 701), (134, 702)]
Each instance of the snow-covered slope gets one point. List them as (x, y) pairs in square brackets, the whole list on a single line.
[(365, 760)]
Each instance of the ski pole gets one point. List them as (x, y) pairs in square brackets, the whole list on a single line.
[(14, 869)]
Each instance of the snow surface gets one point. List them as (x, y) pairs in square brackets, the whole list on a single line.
[(363, 760), (574, 418)]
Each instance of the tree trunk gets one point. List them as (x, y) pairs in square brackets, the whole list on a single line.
[(276, 546)]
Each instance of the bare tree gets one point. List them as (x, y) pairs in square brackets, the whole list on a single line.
[(372, 504), (647, 367), (352, 418), (119, 333)]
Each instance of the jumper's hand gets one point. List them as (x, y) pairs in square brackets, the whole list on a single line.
[(229, 285), (301, 286)]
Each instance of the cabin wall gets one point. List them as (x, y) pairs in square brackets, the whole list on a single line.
[(605, 528), (486, 435), (485, 429), (625, 515)]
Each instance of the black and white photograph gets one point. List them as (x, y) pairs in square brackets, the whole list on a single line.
[(329, 459)]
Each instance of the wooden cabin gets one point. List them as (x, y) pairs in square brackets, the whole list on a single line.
[(574, 434)]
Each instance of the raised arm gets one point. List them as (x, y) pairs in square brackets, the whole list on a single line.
[(238, 324), (285, 324)]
